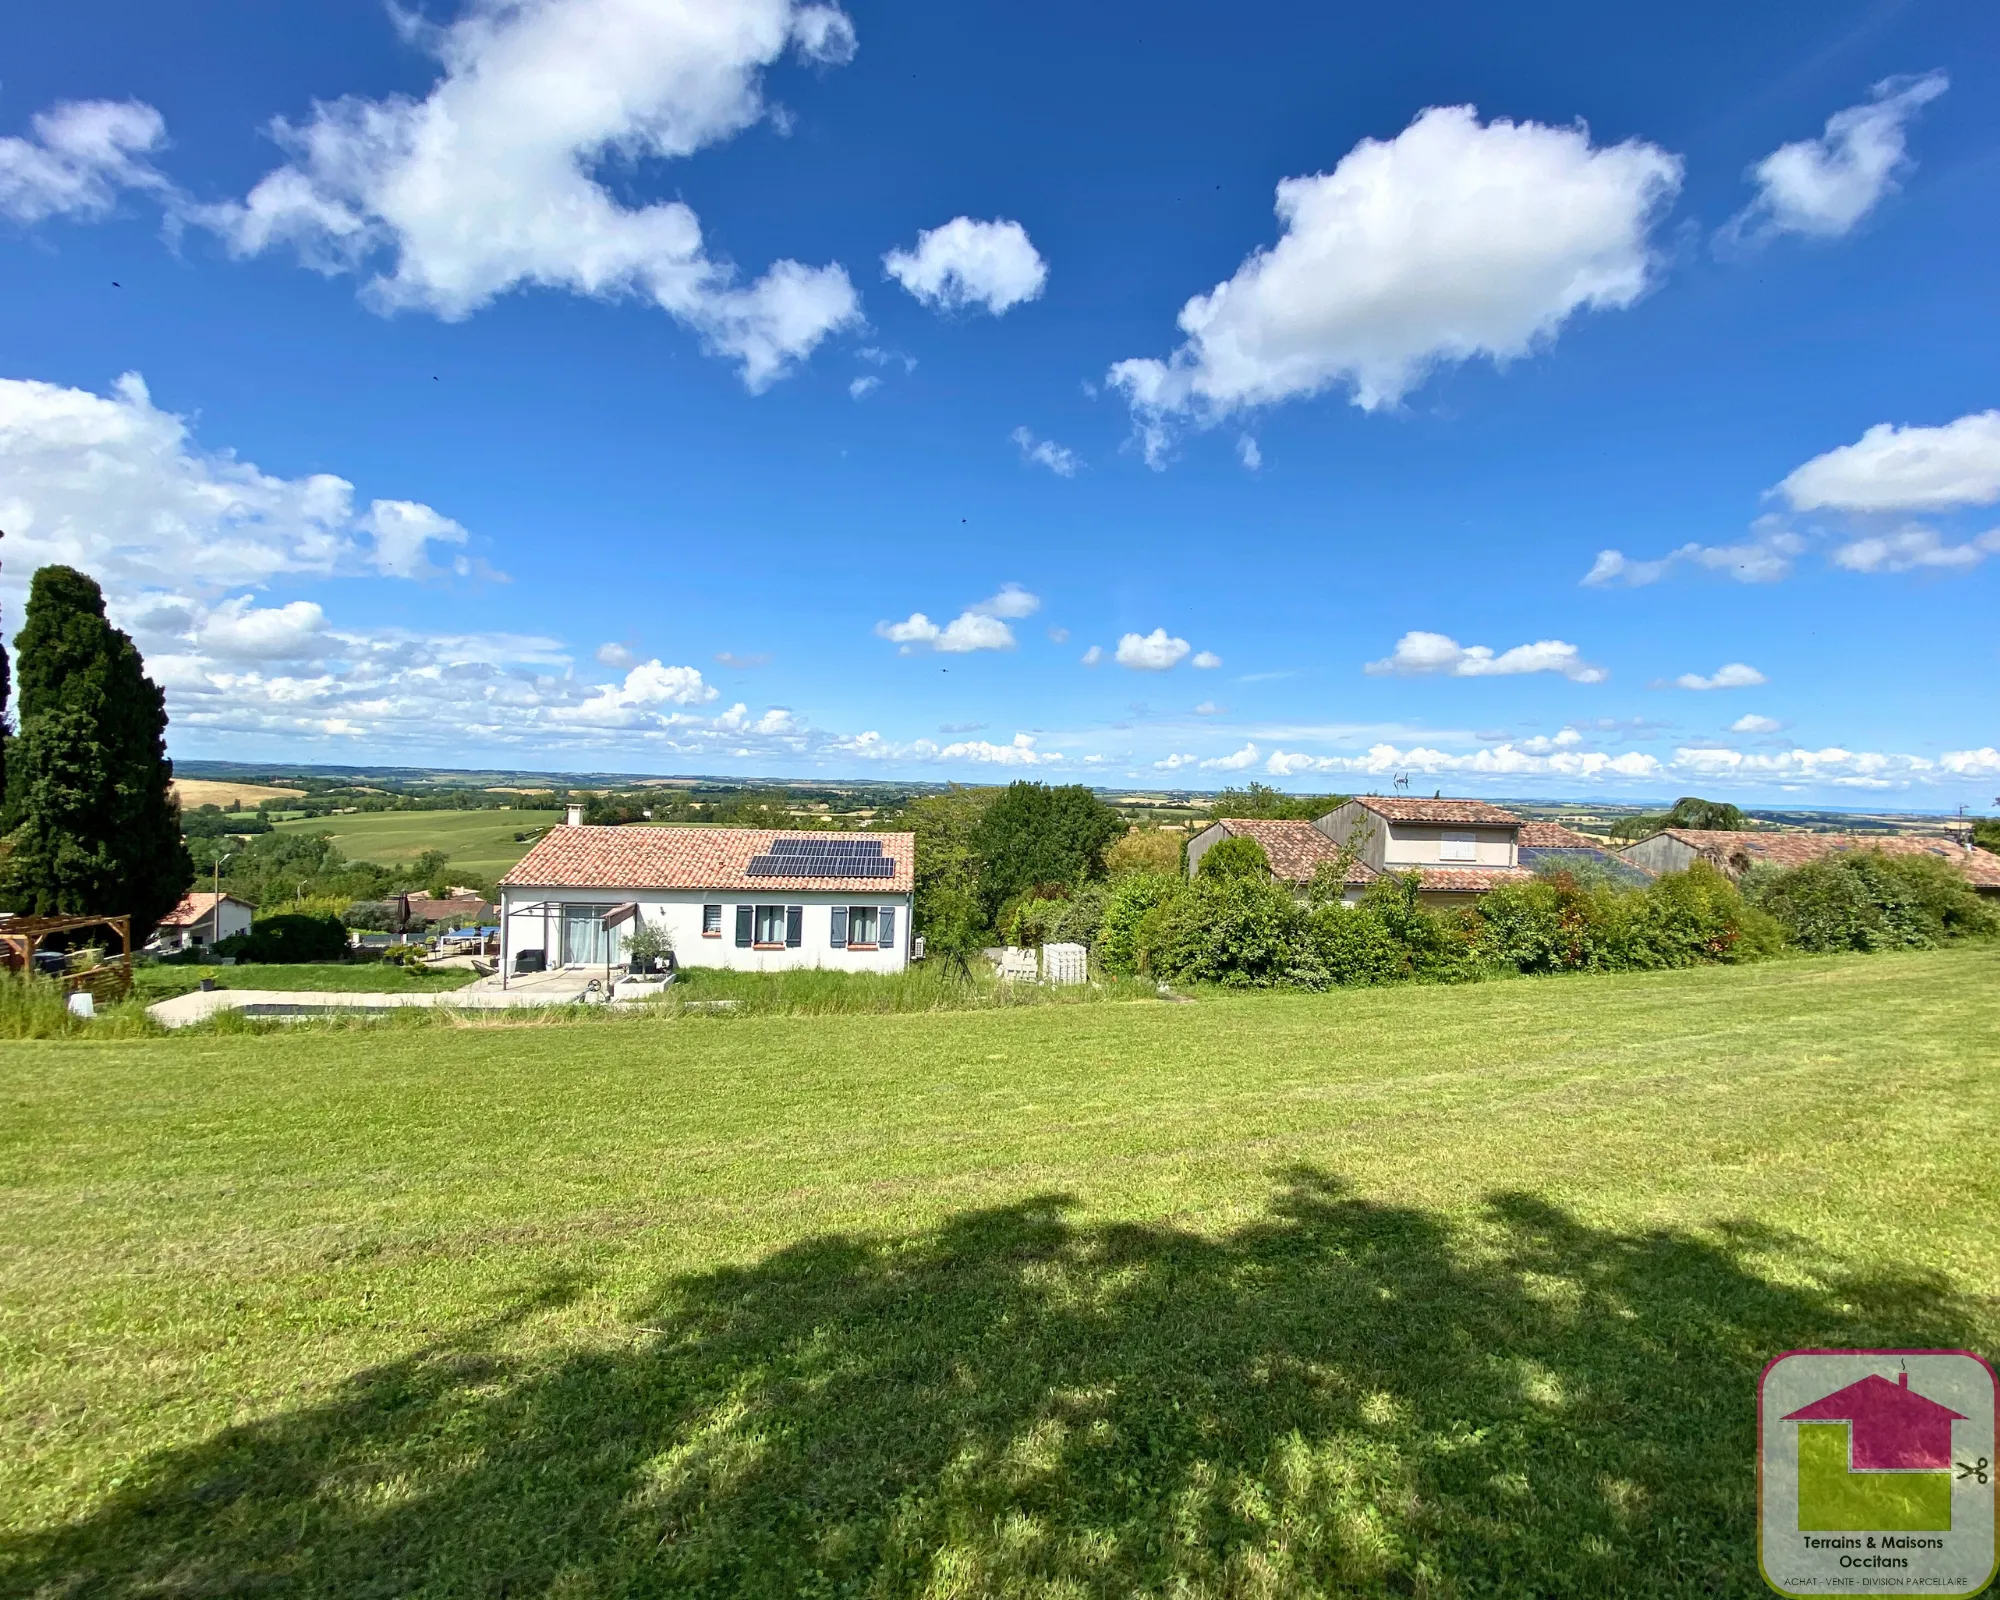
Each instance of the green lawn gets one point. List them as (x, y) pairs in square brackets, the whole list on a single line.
[(1416, 1292), (479, 842), (163, 981)]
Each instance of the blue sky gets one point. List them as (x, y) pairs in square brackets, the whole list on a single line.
[(1141, 394)]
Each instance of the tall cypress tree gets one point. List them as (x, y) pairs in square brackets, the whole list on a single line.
[(95, 826)]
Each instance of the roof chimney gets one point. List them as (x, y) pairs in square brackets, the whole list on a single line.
[(574, 817)]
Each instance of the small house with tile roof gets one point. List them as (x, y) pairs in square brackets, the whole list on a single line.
[(1735, 851), (202, 919), (1459, 849), (746, 898)]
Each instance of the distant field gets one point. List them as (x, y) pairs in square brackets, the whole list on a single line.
[(1408, 1292), (478, 842), (221, 792)]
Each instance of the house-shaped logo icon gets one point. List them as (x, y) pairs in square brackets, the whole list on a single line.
[(1875, 1455)]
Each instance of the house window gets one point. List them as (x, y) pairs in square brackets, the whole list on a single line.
[(711, 922), (770, 927), (1458, 847), (861, 927)]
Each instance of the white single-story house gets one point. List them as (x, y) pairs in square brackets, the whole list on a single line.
[(1459, 849), (201, 919), (728, 897)]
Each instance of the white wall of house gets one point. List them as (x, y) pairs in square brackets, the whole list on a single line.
[(684, 914), (231, 918), (1389, 845)]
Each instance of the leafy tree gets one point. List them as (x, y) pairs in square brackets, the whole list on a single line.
[(6, 728), (94, 827), (1986, 834), (1147, 850), (1690, 811), (1031, 834), (1262, 802), (1236, 857), (948, 910)]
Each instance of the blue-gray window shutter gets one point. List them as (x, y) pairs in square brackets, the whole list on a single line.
[(795, 926), (840, 927), (886, 927), (744, 914)]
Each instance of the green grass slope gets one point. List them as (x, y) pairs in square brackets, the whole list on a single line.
[(479, 842), (1423, 1291)]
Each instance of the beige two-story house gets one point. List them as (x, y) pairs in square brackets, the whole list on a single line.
[(1459, 849)]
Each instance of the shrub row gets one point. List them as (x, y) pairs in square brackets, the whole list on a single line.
[(1238, 927)]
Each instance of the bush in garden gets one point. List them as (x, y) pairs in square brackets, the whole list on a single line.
[(1240, 931), (1865, 900), (1348, 945), (1235, 857), (1682, 919), (289, 937), (1437, 945), (1128, 901), (1082, 918)]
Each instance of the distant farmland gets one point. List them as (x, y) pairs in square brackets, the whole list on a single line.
[(479, 843)]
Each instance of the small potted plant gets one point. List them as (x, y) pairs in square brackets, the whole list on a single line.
[(647, 948)]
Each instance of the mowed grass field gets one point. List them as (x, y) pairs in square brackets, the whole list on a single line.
[(479, 842), (1411, 1292)]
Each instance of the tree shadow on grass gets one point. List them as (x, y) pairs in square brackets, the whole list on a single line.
[(1342, 1397)]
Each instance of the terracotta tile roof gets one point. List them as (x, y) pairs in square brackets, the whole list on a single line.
[(458, 905), (1554, 836), (686, 858), (1295, 848), (1726, 846), (197, 908), (1400, 808), (1469, 880)]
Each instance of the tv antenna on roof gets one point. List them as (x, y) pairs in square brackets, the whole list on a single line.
[(1403, 782)]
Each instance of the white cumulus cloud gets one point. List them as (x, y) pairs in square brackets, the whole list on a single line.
[(1892, 468), (1823, 187), (117, 487), (1021, 752), (979, 627), (490, 181), (1912, 548), (1766, 557), (1093, 655), (1736, 675), (1751, 722), (82, 153), (1455, 239), (967, 263), (1207, 660), (1419, 654), (1059, 459), (1151, 652), (1242, 759)]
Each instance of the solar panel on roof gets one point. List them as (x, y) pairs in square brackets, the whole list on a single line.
[(822, 856)]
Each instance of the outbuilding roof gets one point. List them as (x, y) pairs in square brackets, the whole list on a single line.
[(1402, 808), (638, 857), (1733, 848), (1554, 836), (1467, 880), (1295, 849)]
